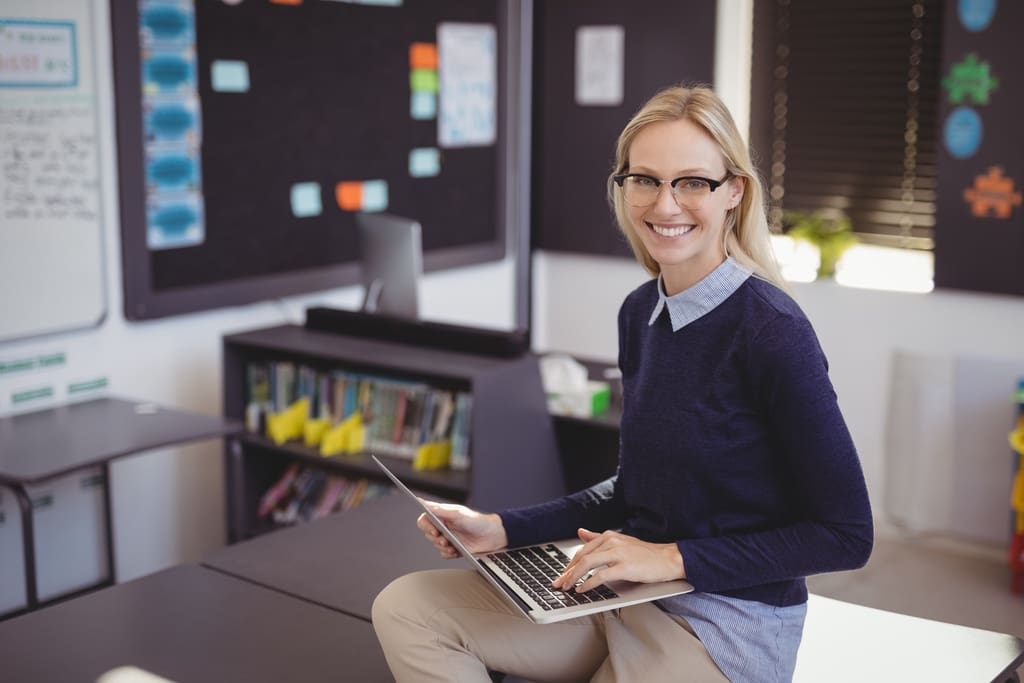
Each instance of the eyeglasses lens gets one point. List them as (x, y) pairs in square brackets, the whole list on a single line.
[(641, 192)]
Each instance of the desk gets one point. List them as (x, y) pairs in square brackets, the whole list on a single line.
[(38, 446), (341, 561), (846, 643), (190, 624)]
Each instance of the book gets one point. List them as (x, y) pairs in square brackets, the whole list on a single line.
[(460, 433), (278, 490)]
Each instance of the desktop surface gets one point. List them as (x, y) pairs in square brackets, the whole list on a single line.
[(190, 624), (341, 561), (39, 445)]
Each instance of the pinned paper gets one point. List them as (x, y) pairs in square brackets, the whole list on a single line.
[(423, 80), (306, 200), (375, 195), (600, 65), (229, 76), (171, 171), (468, 68), (424, 162), (423, 106), (349, 195), (423, 56)]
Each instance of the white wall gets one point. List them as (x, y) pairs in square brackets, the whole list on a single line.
[(576, 298), (169, 505)]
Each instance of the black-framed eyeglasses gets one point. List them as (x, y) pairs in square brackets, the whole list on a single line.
[(641, 190)]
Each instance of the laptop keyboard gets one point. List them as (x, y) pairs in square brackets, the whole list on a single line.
[(533, 569)]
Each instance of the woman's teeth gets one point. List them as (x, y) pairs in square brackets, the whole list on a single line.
[(671, 230)]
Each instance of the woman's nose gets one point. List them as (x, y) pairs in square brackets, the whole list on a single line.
[(666, 200)]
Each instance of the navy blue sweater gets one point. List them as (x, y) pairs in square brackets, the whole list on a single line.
[(732, 445)]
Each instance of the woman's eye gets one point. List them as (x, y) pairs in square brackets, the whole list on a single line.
[(644, 181), (695, 185)]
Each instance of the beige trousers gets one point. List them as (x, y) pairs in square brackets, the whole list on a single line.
[(451, 625)]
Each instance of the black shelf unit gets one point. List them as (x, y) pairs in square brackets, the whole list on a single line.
[(513, 447)]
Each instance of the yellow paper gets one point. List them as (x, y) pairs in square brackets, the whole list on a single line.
[(333, 441), (1017, 497), (356, 439), (433, 456), (338, 439), (288, 424), (313, 432)]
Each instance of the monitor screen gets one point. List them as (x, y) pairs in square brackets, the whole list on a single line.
[(392, 263)]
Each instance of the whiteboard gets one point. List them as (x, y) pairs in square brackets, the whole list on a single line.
[(51, 242)]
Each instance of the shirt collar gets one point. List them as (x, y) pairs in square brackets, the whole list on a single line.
[(693, 303)]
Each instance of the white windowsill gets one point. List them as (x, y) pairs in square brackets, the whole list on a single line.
[(863, 265)]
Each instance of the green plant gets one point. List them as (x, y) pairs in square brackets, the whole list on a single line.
[(830, 231)]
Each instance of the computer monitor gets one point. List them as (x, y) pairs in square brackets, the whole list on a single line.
[(392, 259)]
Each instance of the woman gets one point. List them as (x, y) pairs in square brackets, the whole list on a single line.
[(736, 469)]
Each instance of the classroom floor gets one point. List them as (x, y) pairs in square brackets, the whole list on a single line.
[(933, 578)]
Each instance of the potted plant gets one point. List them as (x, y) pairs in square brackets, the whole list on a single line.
[(830, 231)]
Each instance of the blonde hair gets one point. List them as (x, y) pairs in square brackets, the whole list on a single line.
[(746, 235)]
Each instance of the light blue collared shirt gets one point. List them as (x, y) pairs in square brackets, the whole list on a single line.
[(690, 304)]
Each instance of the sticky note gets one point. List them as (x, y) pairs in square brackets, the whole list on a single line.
[(423, 80), (349, 195), (229, 76), (423, 106), (423, 56), (306, 200), (375, 195), (424, 162)]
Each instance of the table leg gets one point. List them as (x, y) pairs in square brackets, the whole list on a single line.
[(236, 492), (28, 542), (109, 514)]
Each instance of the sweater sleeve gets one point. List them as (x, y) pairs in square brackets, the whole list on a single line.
[(832, 529), (597, 508)]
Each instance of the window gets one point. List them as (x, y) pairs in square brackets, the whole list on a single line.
[(844, 112)]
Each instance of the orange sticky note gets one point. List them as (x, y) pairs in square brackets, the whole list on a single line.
[(423, 56), (349, 195)]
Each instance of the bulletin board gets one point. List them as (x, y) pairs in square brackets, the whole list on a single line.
[(595, 63), (51, 240), (979, 230), (250, 134)]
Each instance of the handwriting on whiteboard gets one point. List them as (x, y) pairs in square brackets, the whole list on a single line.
[(48, 159)]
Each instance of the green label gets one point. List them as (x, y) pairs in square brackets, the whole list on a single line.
[(52, 359), (31, 395), (91, 385), (9, 367)]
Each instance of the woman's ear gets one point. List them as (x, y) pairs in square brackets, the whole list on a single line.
[(737, 185)]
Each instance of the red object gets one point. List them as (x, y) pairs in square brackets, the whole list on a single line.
[(1017, 561)]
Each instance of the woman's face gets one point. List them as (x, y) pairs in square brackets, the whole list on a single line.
[(685, 241)]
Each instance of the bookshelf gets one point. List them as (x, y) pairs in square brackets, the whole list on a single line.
[(513, 455)]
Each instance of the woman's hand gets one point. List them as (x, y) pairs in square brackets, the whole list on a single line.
[(611, 556), (479, 532)]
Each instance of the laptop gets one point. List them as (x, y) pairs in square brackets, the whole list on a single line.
[(524, 575)]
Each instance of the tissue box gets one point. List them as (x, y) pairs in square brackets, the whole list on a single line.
[(591, 400)]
